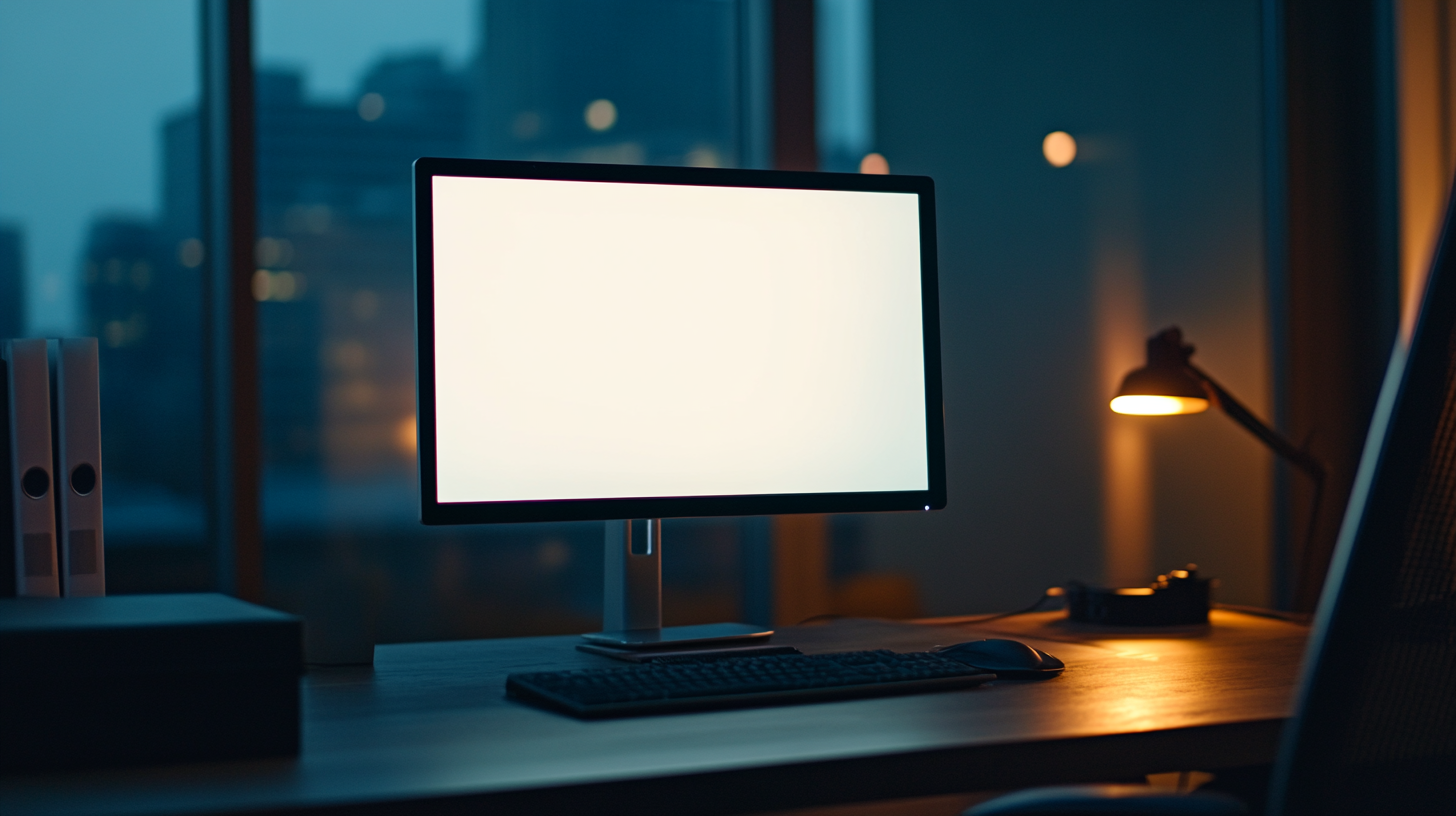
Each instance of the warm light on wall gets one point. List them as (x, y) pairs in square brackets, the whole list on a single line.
[(1149, 405), (1059, 148), (1427, 106)]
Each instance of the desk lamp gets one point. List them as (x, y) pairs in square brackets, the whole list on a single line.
[(1171, 384)]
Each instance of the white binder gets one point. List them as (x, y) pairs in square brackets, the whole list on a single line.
[(30, 535), (76, 427)]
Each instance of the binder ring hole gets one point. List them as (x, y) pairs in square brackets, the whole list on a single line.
[(83, 479), (35, 482)]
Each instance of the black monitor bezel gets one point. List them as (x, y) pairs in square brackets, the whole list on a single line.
[(432, 511)]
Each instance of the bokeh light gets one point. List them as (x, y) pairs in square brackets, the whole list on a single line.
[(190, 253), (1059, 148), (601, 115), (874, 164), (371, 106)]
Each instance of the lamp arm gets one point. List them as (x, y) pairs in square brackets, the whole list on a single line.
[(1270, 437)]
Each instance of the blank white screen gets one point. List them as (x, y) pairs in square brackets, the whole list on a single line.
[(602, 340)]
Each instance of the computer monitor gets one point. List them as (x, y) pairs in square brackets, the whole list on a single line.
[(620, 342)]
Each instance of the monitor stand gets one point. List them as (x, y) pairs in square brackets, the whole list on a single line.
[(632, 599)]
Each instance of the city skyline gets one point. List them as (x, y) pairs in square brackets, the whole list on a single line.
[(659, 83), (334, 265), (86, 86)]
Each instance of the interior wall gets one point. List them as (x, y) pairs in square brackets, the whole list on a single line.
[(1051, 279)]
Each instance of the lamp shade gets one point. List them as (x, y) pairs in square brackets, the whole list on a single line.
[(1165, 385)]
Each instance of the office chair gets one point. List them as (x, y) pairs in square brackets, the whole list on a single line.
[(1374, 730)]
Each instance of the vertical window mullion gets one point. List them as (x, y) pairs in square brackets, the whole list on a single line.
[(234, 433)]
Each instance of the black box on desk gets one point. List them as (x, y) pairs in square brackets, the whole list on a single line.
[(140, 679)]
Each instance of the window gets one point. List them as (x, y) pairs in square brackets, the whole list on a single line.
[(99, 237), (102, 233)]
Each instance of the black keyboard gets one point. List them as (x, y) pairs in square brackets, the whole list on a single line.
[(731, 682)]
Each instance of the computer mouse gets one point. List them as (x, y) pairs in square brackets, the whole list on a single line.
[(1007, 658)]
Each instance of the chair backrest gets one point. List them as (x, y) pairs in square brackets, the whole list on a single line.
[(1375, 725)]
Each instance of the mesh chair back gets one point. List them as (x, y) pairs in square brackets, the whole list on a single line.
[(1375, 728)]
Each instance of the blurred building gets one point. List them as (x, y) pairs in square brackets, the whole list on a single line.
[(334, 280), (637, 82), (141, 294), (12, 281), (335, 264)]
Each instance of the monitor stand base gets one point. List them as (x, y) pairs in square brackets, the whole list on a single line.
[(670, 655), (632, 598), (682, 637)]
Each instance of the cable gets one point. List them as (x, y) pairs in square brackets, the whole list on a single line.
[(829, 616), (1051, 592)]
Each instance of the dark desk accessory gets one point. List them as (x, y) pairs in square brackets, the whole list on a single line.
[(1171, 384), (145, 679), (1179, 598)]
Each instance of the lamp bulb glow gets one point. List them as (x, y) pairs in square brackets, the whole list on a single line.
[(1150, 405)]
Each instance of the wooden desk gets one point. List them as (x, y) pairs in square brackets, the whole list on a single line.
[(428, 731)]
